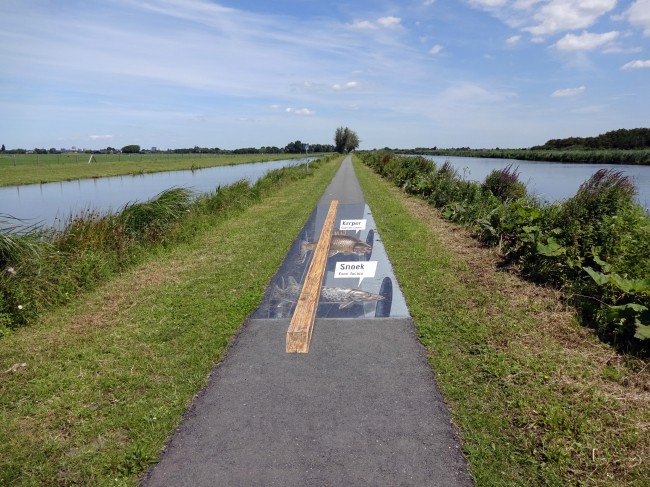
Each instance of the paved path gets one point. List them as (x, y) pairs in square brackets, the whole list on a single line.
[(361, 408)]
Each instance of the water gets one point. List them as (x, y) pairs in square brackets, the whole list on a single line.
[(550, 181), (51, 204)]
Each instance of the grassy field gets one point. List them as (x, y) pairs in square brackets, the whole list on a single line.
[(538, 400), (45, 168), (90, 393)]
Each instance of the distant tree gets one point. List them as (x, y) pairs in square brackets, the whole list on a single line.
[(345, 140), (3, 148), (294, 147), (131, 149)]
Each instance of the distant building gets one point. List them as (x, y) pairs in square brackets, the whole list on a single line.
[(154, 149)]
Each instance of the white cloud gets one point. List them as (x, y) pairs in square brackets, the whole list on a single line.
[(638, 64), (488, 3), (100, 137), (511, 41), (585, 41), (437, 49), (563, 15), (429, 2), (363, 24), (639, 15), (569, 92), (300, 111), (474, 93), (389, 22), (350, 85)]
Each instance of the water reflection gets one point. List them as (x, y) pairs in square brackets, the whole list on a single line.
[(551, 181), (51, 203)]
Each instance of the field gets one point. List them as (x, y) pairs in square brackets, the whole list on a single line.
[(44, 168)]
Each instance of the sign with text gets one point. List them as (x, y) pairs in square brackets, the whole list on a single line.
[(355, 270), (356, 225)]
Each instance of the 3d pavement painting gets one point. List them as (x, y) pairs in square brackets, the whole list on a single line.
[(359, 280)]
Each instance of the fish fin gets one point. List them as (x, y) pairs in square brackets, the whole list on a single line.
[(304, 248), (347, 304), (332, 253)]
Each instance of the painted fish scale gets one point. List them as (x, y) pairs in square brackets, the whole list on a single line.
[(341, 243), (343, 296)]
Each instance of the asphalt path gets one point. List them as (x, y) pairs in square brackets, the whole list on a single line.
[(361, 408)]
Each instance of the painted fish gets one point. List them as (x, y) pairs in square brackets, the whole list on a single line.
[(341, 243), (346, 297), (343, 296)]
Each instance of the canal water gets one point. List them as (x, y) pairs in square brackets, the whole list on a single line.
[(51, 204), (550, 181)]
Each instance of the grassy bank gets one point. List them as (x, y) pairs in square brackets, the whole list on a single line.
[(18, 169), (90, 392), (538, 400), (42, 268), (595, 246)]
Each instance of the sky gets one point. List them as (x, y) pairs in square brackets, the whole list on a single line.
[(252, 73)]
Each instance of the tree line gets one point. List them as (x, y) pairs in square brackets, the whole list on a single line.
[(295, 147), (638, 138)]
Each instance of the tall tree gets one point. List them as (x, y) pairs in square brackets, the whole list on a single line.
[(345, 140), (3, 148)]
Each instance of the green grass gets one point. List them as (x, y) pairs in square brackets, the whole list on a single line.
[(106, 379), (537, 399), (18, 169)]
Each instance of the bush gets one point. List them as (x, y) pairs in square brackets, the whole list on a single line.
[(504, 184)]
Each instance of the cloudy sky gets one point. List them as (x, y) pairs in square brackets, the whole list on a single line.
[(401, 73)]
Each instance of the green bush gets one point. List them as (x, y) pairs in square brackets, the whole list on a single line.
[(504, 184)]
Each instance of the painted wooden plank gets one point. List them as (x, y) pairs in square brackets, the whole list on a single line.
[(304, 316)]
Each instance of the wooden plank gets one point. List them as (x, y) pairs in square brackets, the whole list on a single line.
[(302, 322)]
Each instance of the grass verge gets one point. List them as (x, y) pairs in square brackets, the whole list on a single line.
[(32, 169), (90, 394), (538, 399)]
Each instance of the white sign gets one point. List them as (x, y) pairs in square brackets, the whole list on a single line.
[(356, 225), (355, 269)]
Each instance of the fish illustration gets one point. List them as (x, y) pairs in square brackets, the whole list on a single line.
[(343, 296), (341, 243)]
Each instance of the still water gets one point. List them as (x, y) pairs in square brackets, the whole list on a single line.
[(550, 181), (51, 204)]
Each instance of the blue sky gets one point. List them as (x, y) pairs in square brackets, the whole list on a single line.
[(409, 73)]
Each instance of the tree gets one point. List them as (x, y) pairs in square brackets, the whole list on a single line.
[(3, 148), (131, 149), (294, 147), (345, 140)]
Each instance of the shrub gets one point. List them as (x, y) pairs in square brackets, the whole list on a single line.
[(504, 184)]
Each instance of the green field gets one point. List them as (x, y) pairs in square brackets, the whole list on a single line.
[(45, 168)]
